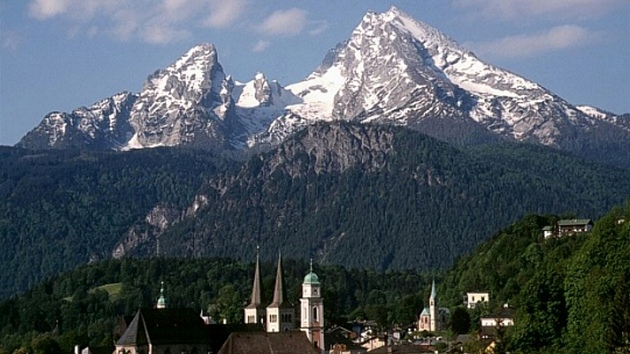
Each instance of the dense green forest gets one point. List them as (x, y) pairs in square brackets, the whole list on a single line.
[(571, 294), (421, 205), (74, 308), (405, 201), (63, 208)]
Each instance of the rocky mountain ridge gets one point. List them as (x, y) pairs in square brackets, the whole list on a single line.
[(392, 70)]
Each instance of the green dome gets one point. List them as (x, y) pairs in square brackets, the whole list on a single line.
[(311, 278)]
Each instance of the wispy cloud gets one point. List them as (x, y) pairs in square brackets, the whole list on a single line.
[(557, 38), (318, 27), (224, 13), (11, 40), (285, 23), (151, 21), (260, 46), (526, 9)]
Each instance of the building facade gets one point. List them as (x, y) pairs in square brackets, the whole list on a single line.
[(433, 318), (312, 310)]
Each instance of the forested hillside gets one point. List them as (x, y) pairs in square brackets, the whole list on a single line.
[(63, 208), (357, 195), (571, 294), (397, 198)]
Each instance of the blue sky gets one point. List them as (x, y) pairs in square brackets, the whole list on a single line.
[(57, 55)]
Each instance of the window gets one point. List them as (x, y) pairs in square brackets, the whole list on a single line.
[(251, 319), (273, 318), (315, 344), (315, 314)]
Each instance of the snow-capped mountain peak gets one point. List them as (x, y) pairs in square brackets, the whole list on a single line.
[(393, 69)]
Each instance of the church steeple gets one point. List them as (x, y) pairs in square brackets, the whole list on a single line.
[(161, 303), (280, 315), (433, 308), (255, 312), (278, 291), (256, 299)]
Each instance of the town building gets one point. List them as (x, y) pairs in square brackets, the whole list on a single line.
[(433, 318), (474, 298), (268, 343), (312, 310), (574, 226), (568, 227)]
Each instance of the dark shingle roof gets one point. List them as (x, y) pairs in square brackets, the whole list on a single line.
[(165, 326), (338, 335), (574, 222), (267, 343), (404, 348)]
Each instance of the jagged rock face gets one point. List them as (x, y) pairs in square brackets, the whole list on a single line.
[(386, 69), (188, 103), (392, 70), (333, 148), (101, 126), (144, 237)]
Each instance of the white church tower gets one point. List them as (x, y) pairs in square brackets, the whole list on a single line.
[(433, 308), (312, 310)]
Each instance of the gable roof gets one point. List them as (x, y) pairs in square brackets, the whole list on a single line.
[(268, 343), (165, 326), (219, 333), (339, 335)]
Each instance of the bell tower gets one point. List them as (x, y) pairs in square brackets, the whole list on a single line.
[(433, 308), (312, 310)]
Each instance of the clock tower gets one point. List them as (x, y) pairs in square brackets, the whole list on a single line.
[(312, 310)]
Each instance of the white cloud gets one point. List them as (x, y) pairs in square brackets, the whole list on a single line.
[(223, 13), (285, 23), (260, 46), (557, 38), (525, 9), (319, 27), (162, 21), (11, 40), (43, 9), (160, 33)]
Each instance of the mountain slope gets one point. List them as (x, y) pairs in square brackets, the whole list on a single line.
[(398, 198), (393, 70), (60, 209)]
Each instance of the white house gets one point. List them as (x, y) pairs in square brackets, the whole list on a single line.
[(474, 298)]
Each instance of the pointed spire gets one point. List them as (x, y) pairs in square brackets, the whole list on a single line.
[(278, 292), (256, 299), (311, 271), (433, 292)]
